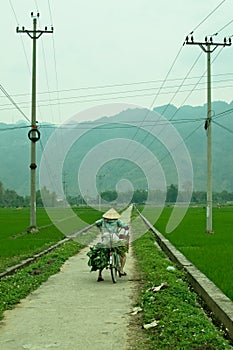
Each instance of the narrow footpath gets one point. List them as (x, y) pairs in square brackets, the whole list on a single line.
[(72, 311)]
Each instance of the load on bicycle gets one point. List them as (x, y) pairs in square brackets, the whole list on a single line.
[(113, 239)]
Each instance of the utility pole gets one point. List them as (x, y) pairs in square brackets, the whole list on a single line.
[(34, 134), (208, 46), (100, 177), (65, 189)]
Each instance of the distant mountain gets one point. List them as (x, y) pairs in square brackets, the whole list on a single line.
[(189, 121)]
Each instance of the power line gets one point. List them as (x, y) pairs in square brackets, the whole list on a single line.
[(96, 123), (26, 104), (163, 110), (130, 91), (151, 143), (175, 112), (223, 114), (172, 68), (13, 10), (127, 84), (222, 126), (182, 83), (34, 34), (194, 88), (99, 125), (15, 128), (208, 46), (13, 102), (215, 9), (226, 25)]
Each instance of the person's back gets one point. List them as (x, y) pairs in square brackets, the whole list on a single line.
[(110, 225), (110, 228)]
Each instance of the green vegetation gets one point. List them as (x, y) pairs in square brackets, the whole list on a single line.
[(181, 322), (211, 253), (99, 255), (16, 244), (14, 288)]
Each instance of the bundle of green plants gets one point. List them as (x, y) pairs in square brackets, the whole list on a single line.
[(99, 255), (174, 313)]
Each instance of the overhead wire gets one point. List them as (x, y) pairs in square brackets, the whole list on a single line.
[(146, 135), (150, 144), (21, 37), (168, 153), (131, 91), (13, 102), (123, 84), (171, 118), (11, 99), (61, 136), (146, 114), (187, 74), (223, 114), (210, 14), (55, 61), (222, 126), (100, 125), (177, 55), (225, 26), (154, 99), (49, 93), (74, 98), (182, 83)]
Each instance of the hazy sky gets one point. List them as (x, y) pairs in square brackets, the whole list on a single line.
[(132, 45)]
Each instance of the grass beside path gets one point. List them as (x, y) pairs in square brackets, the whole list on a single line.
[(181, 321), (23, 282)]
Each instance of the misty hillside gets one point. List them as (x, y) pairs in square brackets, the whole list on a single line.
[(189, 122)]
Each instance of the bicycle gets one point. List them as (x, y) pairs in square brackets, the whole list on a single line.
[(114, 261), (109, 254), (116, 247)]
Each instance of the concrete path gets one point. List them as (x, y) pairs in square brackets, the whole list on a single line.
[(71, 311)]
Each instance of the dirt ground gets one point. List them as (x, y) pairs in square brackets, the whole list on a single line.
[(72, 311)]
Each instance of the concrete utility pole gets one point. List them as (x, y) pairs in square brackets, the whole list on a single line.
[(34, 134), (208, 46), (100, 185)]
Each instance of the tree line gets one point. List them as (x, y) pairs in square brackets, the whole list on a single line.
[(10, 198)]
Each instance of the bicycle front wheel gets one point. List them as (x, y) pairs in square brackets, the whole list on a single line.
[(115, 267)]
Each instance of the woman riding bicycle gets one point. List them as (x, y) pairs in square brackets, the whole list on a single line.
[(110, 225)]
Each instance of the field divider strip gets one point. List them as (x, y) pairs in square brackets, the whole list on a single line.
[(11, 270), (218, 303)]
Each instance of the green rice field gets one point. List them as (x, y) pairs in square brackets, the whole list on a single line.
[(210, 253), (16, 244)]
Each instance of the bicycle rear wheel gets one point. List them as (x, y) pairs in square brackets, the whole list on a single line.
[(115, 267)]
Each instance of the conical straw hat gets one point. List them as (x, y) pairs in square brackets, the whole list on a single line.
[(111, 214)]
